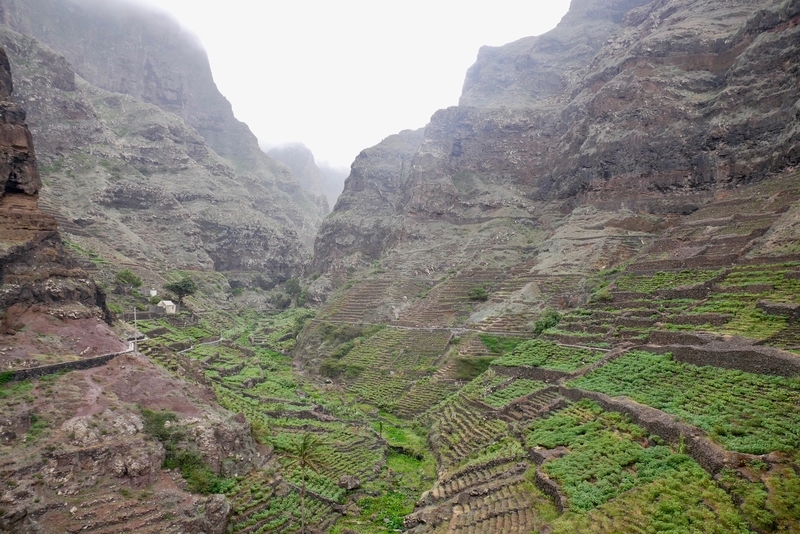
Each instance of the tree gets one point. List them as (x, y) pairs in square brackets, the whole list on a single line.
[(305, 454), (292, 287), (478, 293), (182, 288), (127, 277)]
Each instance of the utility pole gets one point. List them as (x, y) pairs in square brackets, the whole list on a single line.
[(135, 333)]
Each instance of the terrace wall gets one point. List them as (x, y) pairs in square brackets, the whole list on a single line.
[(709, 455), (43, 370)]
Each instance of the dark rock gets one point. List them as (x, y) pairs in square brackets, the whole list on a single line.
[(348, 482)]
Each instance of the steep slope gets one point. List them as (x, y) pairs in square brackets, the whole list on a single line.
[(125, 48), (583, 279), (46, 296), (655, 121), (320, 180), (179, 182)]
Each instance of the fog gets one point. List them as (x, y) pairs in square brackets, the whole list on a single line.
[(341, 76)]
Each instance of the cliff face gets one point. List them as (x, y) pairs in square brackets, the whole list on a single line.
[(143, 158), (623, 106), (41, 283), (124, 48), (320, 180)]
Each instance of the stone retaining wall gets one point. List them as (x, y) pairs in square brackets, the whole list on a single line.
[(709, 455), (43, 370), (792, 311), (231, 345), (550, 488), (626, 296), (654, 266), (751, 359), (142, 315), (698, 292), (504, 411), (674, 337), (714, 319), (475, 403)]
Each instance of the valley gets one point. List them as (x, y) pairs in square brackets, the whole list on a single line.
[(569, 304)]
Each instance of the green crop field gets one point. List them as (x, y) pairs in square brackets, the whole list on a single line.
[(540, 353), (744, 412)]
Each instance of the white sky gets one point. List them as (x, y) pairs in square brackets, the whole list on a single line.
[(339, 76)]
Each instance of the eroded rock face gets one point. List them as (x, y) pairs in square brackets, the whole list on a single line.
[(625, 107), (364, 217), (18, 172), (136, 142), (35, 269)]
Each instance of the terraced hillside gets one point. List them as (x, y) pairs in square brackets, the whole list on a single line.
[(665, 384)]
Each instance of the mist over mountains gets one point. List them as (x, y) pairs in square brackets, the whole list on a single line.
[(569, 304)]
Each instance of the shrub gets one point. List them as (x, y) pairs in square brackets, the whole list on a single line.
[(549, 319), (478, 294), (128, 277)]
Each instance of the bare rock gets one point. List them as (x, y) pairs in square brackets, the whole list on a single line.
[(218, 510), (348, 482)]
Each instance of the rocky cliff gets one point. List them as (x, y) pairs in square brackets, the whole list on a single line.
[(318, 179), (143, 160), (45, 291), (624, 106)]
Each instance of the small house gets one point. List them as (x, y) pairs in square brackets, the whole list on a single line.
[(170, 308), (153, 292)]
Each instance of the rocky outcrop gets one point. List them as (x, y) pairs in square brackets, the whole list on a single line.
[(128, 49), (365, 218), (37, 275), (527, 72)]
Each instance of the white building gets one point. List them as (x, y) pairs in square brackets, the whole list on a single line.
[(169, 307)]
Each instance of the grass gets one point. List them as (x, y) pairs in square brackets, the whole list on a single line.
[(384, 513), (500, 344), (14, 390), (744, 412), (470, 368)]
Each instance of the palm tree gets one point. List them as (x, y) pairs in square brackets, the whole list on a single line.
[(305, 454)]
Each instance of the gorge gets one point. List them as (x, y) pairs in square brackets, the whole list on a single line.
[(568, 304)]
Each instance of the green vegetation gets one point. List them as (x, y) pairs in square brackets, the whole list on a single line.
[(478, 293), (469, 368), (306, 455), (129, 278), (516, 389), (663, 280), (378, 514), (500, 344), (189, 462), (549, 319), (183, 288), (744, 412), (540, 353), (14, 390), (685, 499), (606, 458), (90, 254)]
